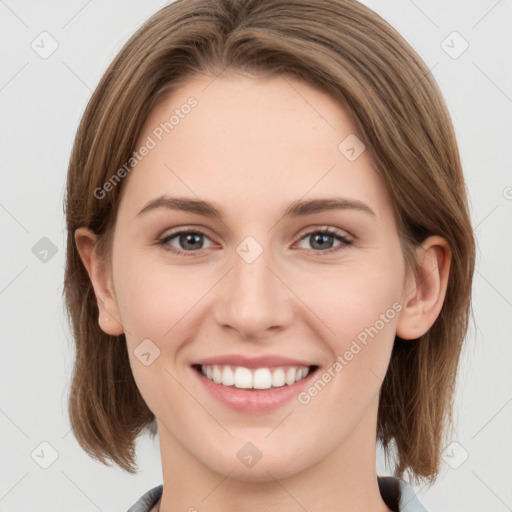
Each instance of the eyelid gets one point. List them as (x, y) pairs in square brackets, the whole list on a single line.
[(331, 230), (183, 229)]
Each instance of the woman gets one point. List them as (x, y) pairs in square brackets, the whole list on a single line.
[(269, 258)]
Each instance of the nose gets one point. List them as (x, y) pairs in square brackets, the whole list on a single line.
[(254, 299)]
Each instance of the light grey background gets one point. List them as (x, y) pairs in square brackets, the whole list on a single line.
[(41, 102)]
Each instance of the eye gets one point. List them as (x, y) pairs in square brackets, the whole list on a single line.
[(192, 241), (188, 239), (322, 239)]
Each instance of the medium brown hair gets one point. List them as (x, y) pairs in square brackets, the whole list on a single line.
[(347, 51)]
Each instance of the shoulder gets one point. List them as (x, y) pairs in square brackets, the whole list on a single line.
[(148, 500), (399, 495), (396, 493)]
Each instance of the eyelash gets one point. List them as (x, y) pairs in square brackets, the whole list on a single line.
[(326, 231)]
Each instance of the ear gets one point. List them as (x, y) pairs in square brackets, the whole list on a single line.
[(109, 317), (425, 291)]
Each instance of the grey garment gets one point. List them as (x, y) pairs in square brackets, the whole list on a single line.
[(396, 493), (148, 500)]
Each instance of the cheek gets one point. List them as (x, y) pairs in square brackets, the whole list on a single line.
[(353, 296), (153, 297), (156, 304), (361, 313), (358, 305)]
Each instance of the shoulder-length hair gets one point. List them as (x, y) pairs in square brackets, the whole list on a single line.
[(348, 51)]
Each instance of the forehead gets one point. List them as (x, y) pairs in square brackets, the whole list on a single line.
[(268, 140)]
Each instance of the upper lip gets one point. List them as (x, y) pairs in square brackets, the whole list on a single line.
[(265, 361)]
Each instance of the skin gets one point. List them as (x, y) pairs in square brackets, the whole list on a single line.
[(252, 146)]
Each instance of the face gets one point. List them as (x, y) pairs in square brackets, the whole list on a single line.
[(256, 296)]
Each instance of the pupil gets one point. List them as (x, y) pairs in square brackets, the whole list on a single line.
[(192, 239), (322, 239)]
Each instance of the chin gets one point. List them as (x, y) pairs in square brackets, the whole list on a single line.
[(249, 464)]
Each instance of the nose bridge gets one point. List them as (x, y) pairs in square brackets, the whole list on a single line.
[(253, 282)]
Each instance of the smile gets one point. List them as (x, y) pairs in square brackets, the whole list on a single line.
[(258, 378), (256, 390)]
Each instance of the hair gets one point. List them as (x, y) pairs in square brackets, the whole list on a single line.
[(347, 51)]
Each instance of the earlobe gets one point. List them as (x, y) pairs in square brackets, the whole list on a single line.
[(425, 292), (109, 318)]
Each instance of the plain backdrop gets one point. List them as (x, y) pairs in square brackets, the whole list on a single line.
[(42, 100)]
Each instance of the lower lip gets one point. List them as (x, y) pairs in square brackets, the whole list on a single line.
[(251, 401)]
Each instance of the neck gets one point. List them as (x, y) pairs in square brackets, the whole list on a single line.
[(343, 480)]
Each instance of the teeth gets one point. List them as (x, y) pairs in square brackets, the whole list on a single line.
[(217, 375), (228, 377), (290, 376), (301, 374), (278, 378), (261, 378), (243, 378)]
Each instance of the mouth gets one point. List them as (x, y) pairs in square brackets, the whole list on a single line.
[(262, 378), (255, 390)]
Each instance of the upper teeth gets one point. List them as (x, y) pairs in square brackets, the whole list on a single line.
[(261, 378)]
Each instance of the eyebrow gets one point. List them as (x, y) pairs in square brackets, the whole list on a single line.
[(299, 208)]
